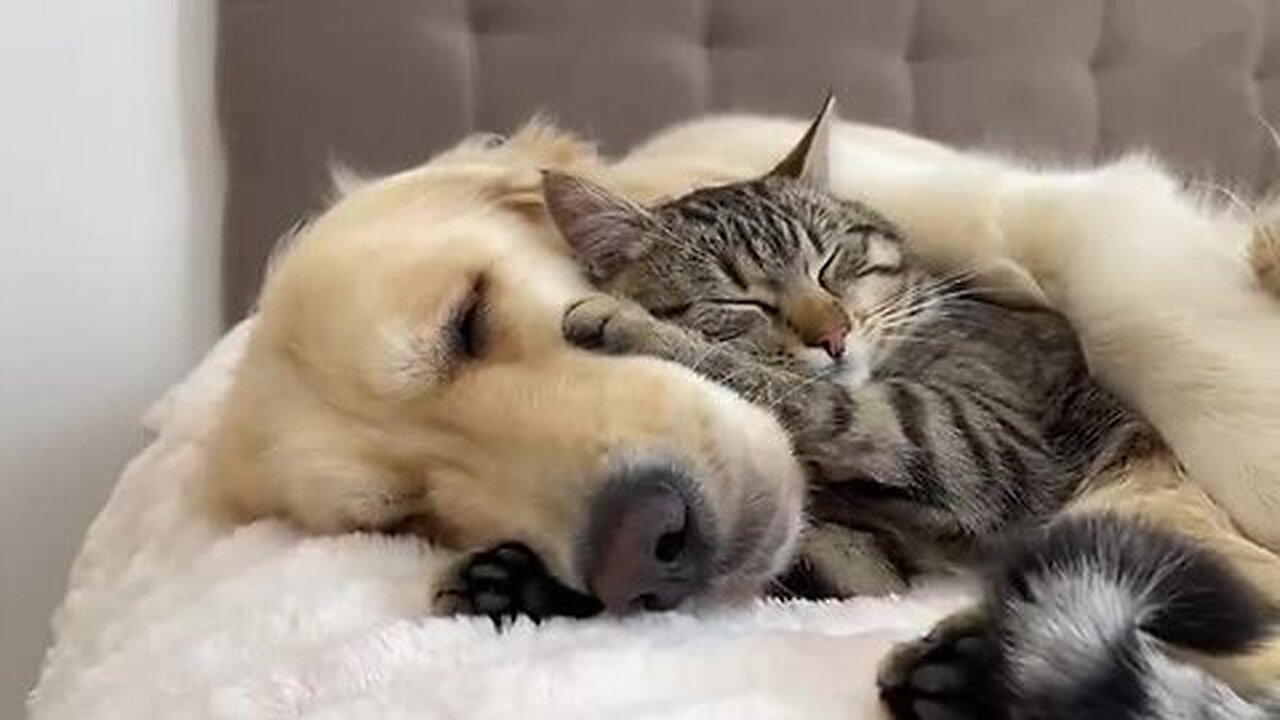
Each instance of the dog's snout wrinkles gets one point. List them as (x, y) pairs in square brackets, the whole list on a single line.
[(648, 547)]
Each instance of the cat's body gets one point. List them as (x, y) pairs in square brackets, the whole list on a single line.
[(1130, 593), (941, 420)]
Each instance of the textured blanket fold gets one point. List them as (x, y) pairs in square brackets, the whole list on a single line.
[(169, 615)]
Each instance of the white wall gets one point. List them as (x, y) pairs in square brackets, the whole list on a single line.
[(110, 191)]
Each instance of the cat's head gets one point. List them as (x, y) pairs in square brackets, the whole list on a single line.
[(777, 264)]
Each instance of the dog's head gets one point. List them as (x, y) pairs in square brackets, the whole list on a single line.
[(408, 371)]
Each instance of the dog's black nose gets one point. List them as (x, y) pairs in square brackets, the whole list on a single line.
[(648, 544)]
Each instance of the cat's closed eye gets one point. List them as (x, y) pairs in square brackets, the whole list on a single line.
[(746, 303), (866, 253), (829, 272)]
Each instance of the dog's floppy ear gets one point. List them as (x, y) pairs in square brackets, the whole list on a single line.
[(605, 232), (519, 189), (810, 159)]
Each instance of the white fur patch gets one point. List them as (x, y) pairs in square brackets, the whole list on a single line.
[(1074, 615), (1176, 691)]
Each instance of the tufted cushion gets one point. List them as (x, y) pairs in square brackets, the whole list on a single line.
[(380, 86)]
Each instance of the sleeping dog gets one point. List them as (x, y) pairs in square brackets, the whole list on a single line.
[(408, 373)]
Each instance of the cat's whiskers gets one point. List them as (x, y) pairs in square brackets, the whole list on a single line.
[(898, 322), (713, 347), (903, 315), (913, 340), (804, 382), (891, 316), (762, 395)]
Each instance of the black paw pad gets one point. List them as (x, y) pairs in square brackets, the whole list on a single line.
[(947, 675), (509, 580)]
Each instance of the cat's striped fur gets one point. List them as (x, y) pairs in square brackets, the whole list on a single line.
[(980, 423), (975, 418)]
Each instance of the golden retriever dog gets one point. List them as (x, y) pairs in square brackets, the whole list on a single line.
[(408, 373)]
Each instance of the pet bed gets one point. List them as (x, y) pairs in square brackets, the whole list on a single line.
[(170, 614)]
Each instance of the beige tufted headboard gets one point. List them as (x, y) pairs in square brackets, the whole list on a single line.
[(381, 84)]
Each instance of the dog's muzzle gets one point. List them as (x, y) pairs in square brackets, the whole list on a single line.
[(650, 541)]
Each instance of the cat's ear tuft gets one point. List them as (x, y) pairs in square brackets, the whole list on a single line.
[(605, 232), (810, 159)]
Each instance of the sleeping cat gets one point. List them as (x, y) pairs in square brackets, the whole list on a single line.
[(931, 423), (929, 420)]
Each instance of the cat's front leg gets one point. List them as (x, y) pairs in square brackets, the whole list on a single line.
[(609, 324), (614, 325), (837, 561)]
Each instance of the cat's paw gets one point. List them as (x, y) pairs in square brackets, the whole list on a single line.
[(609, 324), (946, 675), (508, 581)]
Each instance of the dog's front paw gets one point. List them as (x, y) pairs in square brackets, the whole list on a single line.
[(508, 581), (609, 324), (946, 675)]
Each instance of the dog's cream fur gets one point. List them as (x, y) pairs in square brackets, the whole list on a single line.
[(351, 410)]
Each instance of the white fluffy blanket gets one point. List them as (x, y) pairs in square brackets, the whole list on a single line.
[(167, 616)]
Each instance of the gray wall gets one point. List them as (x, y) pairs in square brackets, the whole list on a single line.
[(110, 193)]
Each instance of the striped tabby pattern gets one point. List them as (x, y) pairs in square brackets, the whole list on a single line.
[(941, 421)]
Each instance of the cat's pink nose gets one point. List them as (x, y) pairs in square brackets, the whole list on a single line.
[(833, 342)]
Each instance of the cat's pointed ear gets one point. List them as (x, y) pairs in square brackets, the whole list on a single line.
[(605, 232), (810, 159)]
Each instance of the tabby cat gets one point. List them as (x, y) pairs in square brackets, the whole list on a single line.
[(928, 418)]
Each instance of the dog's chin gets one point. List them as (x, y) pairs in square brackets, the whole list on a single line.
[(757, 502), (757, 548), (728, 595), (747, 583)]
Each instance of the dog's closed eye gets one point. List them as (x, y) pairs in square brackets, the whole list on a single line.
[(419, 356), (467, 329)]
